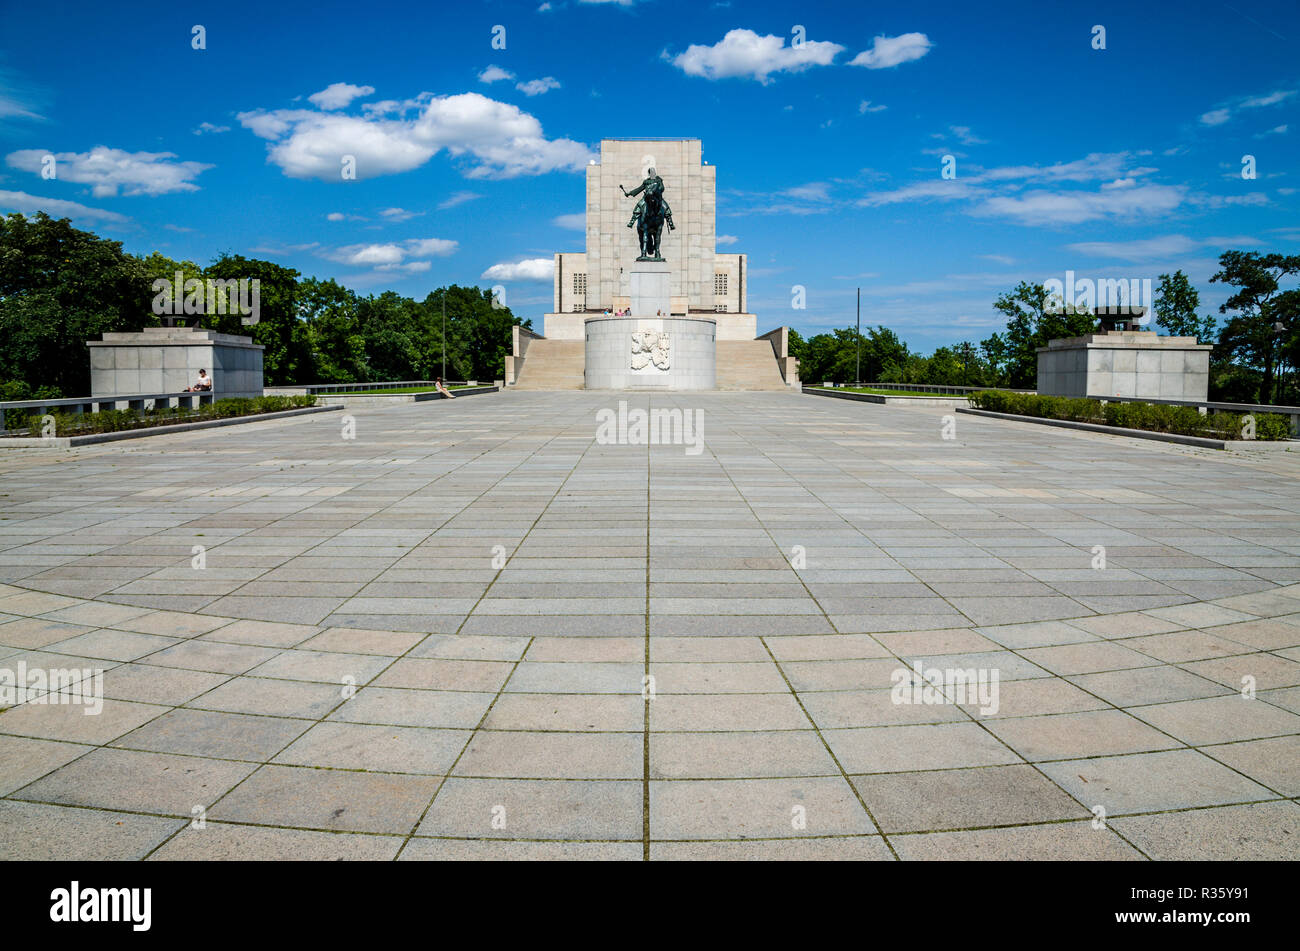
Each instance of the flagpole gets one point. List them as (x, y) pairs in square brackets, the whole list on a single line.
[(857, 374)]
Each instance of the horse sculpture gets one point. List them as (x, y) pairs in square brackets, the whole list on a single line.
[(650, 215)]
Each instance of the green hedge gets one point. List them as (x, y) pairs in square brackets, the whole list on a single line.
[(1153, 417), (117, 420)]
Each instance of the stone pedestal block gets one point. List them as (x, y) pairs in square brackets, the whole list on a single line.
[(168, 360), (649, 288), (1127, 363)]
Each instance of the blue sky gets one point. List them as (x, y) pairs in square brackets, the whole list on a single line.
[(1115, 163)]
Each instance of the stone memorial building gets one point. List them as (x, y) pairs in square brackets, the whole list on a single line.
[(623, 318)]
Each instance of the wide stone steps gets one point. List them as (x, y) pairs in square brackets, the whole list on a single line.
[(747, 365), (559, 365), (553, 365)]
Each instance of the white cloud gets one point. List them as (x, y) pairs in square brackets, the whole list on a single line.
[(335, 216), (432, 247), (339, 95), (813, 191), (1222, 201), (1043, 207), (1221, 115), (399, 214), (284, 250), (1144, 249), (411, 255), (889, 51), (1119, 192), (499, 139), (724, 239), (58, 208), (494, 74), (12, 107), (937, 189), (1272, 99), (964, 135), (743, 53), (1276, 130), (457, 199), (866, 106), (1096, 166), (998, 259), (535, 87), (107, 170), (530, 269), (574, 222), (210, 128), (1164, 248)]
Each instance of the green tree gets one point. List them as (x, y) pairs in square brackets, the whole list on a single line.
[(59, 287), (1033, 318), (478, 333), (390, 326), (834, 356), (287, 358), (331, 313), (1263, 325), (1176, 304), (795, 345)]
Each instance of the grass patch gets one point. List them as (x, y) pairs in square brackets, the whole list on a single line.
[(1152, 417), (118, 420)]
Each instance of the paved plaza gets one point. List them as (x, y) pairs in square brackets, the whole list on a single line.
[(475, 631)]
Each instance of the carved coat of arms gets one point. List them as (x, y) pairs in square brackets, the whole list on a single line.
[(650, 346)]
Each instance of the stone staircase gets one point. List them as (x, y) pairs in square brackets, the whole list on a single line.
[(554, 365), (747, 365), (559, 365)]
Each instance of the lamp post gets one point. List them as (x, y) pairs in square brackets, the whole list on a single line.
[(444, 334), (857, 373)]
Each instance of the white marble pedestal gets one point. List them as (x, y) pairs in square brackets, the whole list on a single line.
[(649, 288)]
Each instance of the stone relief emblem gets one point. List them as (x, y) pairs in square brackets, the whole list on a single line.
[(650, 346)]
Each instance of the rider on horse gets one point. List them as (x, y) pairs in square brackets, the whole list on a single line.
[(649, 220)]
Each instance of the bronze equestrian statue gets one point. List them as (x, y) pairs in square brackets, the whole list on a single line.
[(650, 214)]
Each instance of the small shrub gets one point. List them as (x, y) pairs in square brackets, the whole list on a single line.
[(1272, 426)]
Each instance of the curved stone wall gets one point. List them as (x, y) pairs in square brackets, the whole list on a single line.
[(651, 353)]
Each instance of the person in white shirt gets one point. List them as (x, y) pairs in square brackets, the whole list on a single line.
[(438, 385), (202, 384)]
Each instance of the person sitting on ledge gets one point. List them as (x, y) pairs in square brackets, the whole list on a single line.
[(438, 385), (202, 385)]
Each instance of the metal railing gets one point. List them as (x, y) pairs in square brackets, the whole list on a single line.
[(363, 387), (1292, 412), (94, 404), (921, 388)]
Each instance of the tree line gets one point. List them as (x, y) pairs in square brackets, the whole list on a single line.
[(1255, 357), (61, 286)]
